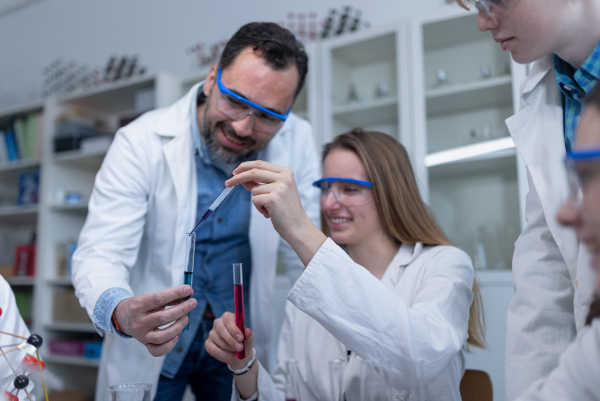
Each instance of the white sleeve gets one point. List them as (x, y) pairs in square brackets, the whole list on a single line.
[(577, 373), (109, 242), (380, 326), (306, 171), (540, 319)]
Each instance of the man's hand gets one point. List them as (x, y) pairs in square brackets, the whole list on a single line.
[(141, 316)]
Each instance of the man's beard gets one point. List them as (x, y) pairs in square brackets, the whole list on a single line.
[(221, 154)]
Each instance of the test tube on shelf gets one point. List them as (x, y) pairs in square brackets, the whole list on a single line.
[(188, 272), (238, 290)]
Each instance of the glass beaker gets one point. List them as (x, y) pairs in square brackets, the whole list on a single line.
[(130, 392)]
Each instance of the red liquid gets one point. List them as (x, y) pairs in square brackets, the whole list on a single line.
[(239, 315)]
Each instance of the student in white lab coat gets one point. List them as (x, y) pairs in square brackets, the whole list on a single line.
[(552, 280), (385, 287), (578, 370)]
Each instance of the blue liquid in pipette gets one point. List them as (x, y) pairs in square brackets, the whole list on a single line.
[(187, 279), (204, 217)]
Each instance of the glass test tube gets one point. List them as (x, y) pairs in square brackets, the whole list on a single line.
[(188, 272), (238, 290)]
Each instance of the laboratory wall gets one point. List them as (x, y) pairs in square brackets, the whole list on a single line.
[(159, 33)]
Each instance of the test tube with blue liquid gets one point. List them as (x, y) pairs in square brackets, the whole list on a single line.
[(238, 293), (188, 273)]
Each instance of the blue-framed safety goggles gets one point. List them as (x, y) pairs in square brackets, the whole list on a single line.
[(575, 176), (319, 183), (250, 103)]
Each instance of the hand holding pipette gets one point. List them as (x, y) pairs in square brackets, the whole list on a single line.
[(275, 195)]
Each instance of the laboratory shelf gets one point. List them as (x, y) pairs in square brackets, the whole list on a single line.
[(77, 208), (480, 151), (19, 165), (59, 281), (67, 326), (485, 92), (71, 360), (79, 158), (18, 215), (19, 281), (368, 112)]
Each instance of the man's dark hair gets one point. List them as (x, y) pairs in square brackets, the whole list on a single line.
[(275, 44)]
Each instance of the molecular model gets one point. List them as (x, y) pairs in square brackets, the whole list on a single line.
[(30, 365)]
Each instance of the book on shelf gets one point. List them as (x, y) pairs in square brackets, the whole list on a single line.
[(3, 149), (11, 145)]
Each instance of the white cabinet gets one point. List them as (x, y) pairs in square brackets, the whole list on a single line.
[(468, 168), (365, 83), (469, 171)]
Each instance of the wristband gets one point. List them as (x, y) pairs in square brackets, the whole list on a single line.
[(246, 368), (114, 319)]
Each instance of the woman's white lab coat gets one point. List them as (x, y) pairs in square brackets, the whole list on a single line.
[(143, 203), (551, 271), (417, 315)]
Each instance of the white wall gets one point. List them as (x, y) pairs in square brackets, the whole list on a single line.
[(160, 32)]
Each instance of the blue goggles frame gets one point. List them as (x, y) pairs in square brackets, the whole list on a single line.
[(585, 154), (332, 179), (250, 103)]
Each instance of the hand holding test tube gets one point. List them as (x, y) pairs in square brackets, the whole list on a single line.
[(238, 289)]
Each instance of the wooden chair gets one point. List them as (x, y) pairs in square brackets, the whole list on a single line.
[(476, 385)]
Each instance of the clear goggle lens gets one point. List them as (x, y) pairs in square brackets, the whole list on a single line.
[(346, 191), (487, 5)]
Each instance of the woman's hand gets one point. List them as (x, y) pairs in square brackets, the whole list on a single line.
[(225, 340), (275, 195)]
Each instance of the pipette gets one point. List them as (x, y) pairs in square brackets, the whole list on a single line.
[(212, 207)]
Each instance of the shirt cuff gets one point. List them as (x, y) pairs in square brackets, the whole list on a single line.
[(105, 307)]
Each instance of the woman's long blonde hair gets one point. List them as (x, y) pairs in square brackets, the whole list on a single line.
[(404, 216)]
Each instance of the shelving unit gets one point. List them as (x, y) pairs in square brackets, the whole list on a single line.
[(365, 83), (59, 220), (469, 171)]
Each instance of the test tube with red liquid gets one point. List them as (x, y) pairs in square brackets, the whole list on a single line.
[(238, 290)]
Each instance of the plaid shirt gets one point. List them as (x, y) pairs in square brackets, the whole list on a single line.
[(575, 85)]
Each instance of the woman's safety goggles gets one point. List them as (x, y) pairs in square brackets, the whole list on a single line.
[(346, 191)]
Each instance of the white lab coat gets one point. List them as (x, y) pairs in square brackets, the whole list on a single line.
[(577, 373), (551, 272), (11, 322), (417, 315), (143, 203)]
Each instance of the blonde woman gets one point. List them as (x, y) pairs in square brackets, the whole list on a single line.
[(381, 282)]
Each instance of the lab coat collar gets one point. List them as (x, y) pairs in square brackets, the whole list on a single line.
[(405, 256), (538, 71), (178, 122)]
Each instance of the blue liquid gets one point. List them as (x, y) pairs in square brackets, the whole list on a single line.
[(204, 217), (187, 279)]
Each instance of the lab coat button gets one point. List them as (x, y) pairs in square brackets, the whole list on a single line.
[(567, 87), (220, 220), (401, 395)]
